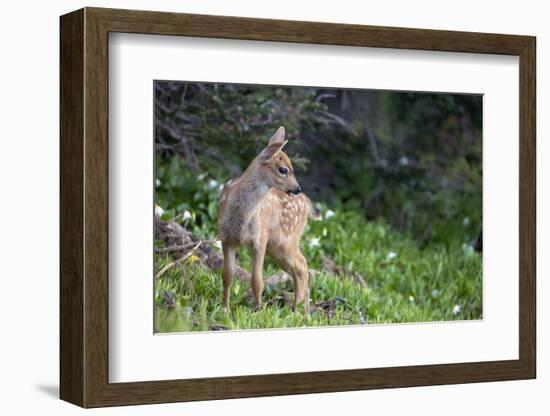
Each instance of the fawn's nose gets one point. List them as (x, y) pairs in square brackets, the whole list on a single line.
[(298, 190)]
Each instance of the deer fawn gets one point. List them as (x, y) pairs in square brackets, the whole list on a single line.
[(265, 209)]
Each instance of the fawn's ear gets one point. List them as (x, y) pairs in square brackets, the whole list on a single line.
[(278, 137), (271, 151), (275, 145)]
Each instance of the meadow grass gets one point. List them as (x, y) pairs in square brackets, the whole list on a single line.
[(404, 283)]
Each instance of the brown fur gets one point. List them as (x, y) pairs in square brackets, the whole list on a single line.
[(256, 210)]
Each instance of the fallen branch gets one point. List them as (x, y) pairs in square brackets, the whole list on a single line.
[(175, 247), (178, 261), (180, 247), (343, 301)]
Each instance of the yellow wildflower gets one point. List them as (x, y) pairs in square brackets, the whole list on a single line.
[(193, 259)]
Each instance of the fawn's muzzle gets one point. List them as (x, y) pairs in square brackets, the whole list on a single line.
[(296, 191)]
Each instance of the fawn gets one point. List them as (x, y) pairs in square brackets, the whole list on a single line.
[(265, 209)]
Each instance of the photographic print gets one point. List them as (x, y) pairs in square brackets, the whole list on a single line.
[(282, 207)]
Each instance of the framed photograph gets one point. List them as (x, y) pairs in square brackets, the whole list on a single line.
[(255, 207)]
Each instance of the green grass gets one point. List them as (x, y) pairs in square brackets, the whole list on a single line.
[(404, 283)]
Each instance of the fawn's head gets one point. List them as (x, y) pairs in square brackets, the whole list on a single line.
[(273, 166)]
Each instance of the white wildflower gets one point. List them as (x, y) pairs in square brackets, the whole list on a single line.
[(314, 242), (201, 176), (411, 299), (468, 249), (187, 215), (403, 161), (212, 184), (218, 244), (435, 293), (391, 255), (466, 221), (157, 182), (457, 309), (158, 210), (329, 214)]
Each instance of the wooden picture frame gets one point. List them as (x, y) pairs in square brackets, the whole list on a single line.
[(84, 207)]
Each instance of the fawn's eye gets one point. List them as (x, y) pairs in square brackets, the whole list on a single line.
[(283, 171)]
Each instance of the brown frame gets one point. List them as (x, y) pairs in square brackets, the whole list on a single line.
[(84, 209)]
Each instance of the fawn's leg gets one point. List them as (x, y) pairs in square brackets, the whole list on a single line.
[(301, 281), (257, 282), (293, 262), (229, 252)]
